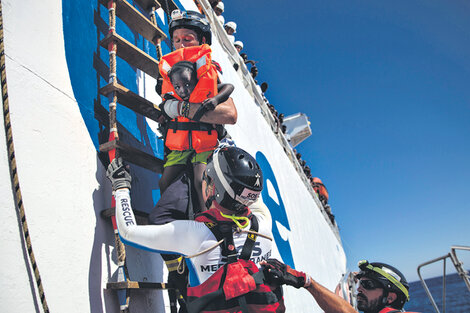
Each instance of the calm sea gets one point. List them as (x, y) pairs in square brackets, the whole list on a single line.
[(457, 295)]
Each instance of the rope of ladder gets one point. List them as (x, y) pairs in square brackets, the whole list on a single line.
[(123, 273), (13, 173), (168, 20)]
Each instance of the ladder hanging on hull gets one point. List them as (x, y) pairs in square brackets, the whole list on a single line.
[(117, 46)]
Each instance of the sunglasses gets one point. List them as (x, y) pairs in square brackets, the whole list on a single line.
[(369, 284)]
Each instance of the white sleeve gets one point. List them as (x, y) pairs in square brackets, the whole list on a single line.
[(171, 108), (183, 237)]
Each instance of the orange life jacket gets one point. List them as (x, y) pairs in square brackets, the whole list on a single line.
[(183, 133), (237, 286), (320, 189)]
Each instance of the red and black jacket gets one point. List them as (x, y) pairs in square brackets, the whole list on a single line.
[(237, 286)]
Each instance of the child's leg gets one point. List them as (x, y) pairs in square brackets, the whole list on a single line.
[(168, 175), (198, 169)]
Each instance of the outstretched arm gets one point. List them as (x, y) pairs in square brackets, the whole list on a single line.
[(327, 300), (278, 273), (182, 237)]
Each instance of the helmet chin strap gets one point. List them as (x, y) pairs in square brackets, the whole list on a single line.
[(385, 298), (209, 201)]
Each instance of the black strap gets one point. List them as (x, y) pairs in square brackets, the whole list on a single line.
[(175, 125), (190, 178), (223, 230), (197, 305), (209, 201), (210, 217), (228, 247), (190, 208), (250, 240), (242, 303)]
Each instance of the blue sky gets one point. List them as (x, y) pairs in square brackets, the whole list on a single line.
[(386, 85)]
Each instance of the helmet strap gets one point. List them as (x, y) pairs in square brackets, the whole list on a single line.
[(209, 201), (385, 297)]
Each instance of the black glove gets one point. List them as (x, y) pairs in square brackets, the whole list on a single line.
[(118, 174), (158, 86), (278, 273)]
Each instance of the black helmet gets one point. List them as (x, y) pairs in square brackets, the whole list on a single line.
[(191, 20), (237, 178), (389, 277)]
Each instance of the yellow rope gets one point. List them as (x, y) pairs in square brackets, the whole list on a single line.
[(236, 219), (13, 173)]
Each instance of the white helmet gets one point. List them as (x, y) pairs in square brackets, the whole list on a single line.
[(238, 43), (220, 6), (232, 25)]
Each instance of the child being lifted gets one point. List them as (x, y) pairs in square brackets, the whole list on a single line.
[(189, 77)]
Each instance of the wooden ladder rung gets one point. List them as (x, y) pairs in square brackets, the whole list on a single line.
[(132, 100), (137, 21), (147, 5), (131, 54), (134, 155), (172, 6), (137, 285), (140, 217)]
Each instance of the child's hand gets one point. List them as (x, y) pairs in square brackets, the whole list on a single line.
[(210, 103)]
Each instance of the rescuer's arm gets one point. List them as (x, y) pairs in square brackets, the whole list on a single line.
[(183, 237), (327, 300), (278, 273), (224, 92), (223, 113)]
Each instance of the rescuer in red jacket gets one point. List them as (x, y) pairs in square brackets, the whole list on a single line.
[(381, 288)]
